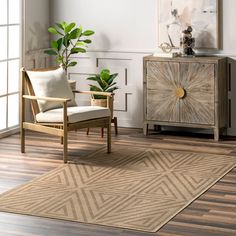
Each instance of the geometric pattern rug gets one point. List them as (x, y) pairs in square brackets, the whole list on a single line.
[(133, 188)]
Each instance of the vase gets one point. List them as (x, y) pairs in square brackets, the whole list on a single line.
[(187, 43), (103, 103)]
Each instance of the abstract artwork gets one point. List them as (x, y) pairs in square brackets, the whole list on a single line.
[(176, 15)]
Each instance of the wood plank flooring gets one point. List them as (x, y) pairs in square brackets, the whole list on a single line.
[(214, 213)]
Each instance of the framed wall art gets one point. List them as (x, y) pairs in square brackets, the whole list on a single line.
[(177, 15)]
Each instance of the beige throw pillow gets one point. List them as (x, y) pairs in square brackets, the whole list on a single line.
[(51, 83)]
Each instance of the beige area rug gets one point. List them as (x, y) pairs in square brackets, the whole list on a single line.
[(139, 189)]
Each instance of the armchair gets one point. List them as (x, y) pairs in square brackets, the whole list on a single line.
[(54, 108)]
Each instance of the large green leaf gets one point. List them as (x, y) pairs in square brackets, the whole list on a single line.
[(110, 85), (50, 52), (53, 30), (64, 25), (104, 84), (81, 44), (73, 63), (110, 90), (101, 82), (112, 77), (75, 34), (69, 27), (77, 50), (66, 41), (59, 44), (93, 78), (60, 26), (88, 32), (105, 74), (54, 45), (79, 33), (95, 88), (87, 41)]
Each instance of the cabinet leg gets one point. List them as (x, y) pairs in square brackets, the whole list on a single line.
[(157, 128), (216, 134), (145, 129)]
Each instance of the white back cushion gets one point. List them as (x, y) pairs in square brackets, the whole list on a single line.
[(51, 83)]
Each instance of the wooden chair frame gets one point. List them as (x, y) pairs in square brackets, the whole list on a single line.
[(113, 118), (58, 129)]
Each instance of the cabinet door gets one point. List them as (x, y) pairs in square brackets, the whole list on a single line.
[(198, 81), (162, 81)]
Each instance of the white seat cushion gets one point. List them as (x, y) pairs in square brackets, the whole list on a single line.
[(52, 83), (75, 114)]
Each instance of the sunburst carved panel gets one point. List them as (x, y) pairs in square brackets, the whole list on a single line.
[(180, 92), (198, 81), (162, 80)]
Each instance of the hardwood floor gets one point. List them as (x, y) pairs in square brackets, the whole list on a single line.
[(214, 213)]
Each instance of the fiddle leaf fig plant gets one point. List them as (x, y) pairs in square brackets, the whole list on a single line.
[(70, 40), (104, 83)]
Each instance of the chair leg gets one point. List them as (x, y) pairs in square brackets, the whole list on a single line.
[(109, 137), (102, 132), (65, 148), (115, 125), (87, 131), (22, 138), (65, 132)]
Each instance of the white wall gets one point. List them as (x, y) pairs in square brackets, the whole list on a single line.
[(36, 37), (228, 27), (126, 30), (120, 25)]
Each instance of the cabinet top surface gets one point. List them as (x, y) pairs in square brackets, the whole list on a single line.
[(186, 59)]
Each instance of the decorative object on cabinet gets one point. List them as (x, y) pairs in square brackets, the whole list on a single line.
[(202, 15), (104, 83), (165, 47), (72, 40), (54, 109), (167, 51), (187, 42), (187, 92)]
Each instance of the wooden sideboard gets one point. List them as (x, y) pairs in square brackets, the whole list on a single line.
[(186, 92)]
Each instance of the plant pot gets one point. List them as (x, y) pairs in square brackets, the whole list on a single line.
[(102, 103)]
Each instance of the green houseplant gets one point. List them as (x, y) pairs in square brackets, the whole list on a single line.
[(70, 40), (104, 82)]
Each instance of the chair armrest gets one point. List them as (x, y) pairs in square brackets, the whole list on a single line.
[(107, 94), (52, 99)]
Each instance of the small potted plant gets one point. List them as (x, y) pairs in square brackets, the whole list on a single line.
[(71, 40), (104, 83)]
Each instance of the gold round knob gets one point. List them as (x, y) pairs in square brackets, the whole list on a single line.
[(180, 92)]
